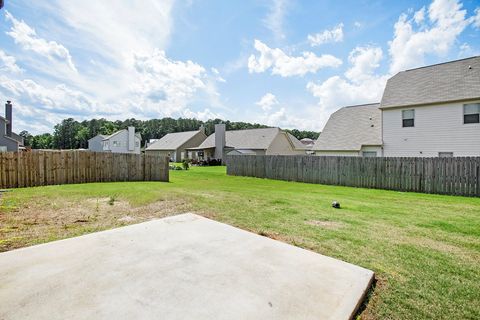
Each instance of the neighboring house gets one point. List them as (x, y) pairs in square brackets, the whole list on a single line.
[(265, 141), (175, 145), (433, 111), (352, 131), (123, 141), (9, 140), (96, 143)]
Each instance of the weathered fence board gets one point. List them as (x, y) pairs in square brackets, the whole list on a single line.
[(454, 176), (39, 168)]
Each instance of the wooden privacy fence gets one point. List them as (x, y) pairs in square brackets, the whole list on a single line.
[(39, 168), (454, 176)]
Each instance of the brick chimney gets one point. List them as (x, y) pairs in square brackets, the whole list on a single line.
[(8, 116)]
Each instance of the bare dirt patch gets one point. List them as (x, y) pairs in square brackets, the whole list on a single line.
[(325, 224), (40, 222)]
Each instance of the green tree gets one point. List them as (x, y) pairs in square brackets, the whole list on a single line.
[(42, 141), (82, 137), (65, 134), (27, 138)]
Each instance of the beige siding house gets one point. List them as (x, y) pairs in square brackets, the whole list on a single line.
[(264, 141), (433, 111), (352, 132), (175, 145)]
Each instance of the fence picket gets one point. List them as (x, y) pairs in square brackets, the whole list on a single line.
[(39, 168), (454, 176)]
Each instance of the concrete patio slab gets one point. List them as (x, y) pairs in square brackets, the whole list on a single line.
[(180, 267)]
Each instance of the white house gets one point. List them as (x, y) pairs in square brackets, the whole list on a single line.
[(352, 131), (122, 141), (96, 143), (433, 111)]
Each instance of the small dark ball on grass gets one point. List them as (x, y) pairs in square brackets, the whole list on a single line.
[(336, 204)]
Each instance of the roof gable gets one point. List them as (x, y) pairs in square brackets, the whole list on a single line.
[(446, 82), (173, 141), (350, 128), (137, 134)]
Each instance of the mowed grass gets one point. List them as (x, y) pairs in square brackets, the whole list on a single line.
[(424, 249)]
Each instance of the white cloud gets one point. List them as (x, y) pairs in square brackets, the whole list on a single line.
[(446, 21), (287, 66), (58, 99), (201, 115), (27, 38), (285, 118), (333, 35), (467, 51), (364, 61), (8, 63), (129, 75), (419, 16), (217, 75), (358, 24), (360, 83), (274, 19), (115, 28), (165, 84), (267, 102), (476, 18)]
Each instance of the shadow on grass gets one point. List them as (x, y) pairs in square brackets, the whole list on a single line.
[(363, 306)]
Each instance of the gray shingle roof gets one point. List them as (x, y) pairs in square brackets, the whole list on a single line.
[(350, 128), (137, 134), (255, 139), (172, 141), (450, 81), (297, 144)]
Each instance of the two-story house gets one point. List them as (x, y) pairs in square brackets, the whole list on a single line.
[(122, 141), (433, 111)]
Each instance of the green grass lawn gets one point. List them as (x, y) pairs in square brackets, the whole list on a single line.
[(424, 249)]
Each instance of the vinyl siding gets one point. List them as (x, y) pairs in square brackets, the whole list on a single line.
[(336, 153), (163, 153), (122, 138), (282, 146), (96, 144), (351, 153), (438, 128)]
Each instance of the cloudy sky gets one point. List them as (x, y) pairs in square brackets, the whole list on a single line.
[(283, 63)]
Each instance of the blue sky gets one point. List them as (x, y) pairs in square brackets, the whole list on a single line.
[(283, 63)]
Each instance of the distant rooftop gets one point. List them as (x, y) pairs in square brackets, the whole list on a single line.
[(172, 141), (255, 139), (350, 128)]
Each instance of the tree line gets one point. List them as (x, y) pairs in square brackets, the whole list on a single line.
[(72, 134)]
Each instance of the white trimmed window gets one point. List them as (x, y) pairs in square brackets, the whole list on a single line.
[(408, 118), (471, 113)]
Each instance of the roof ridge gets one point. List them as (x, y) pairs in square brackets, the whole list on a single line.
[(361, 105), (440, 63)]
